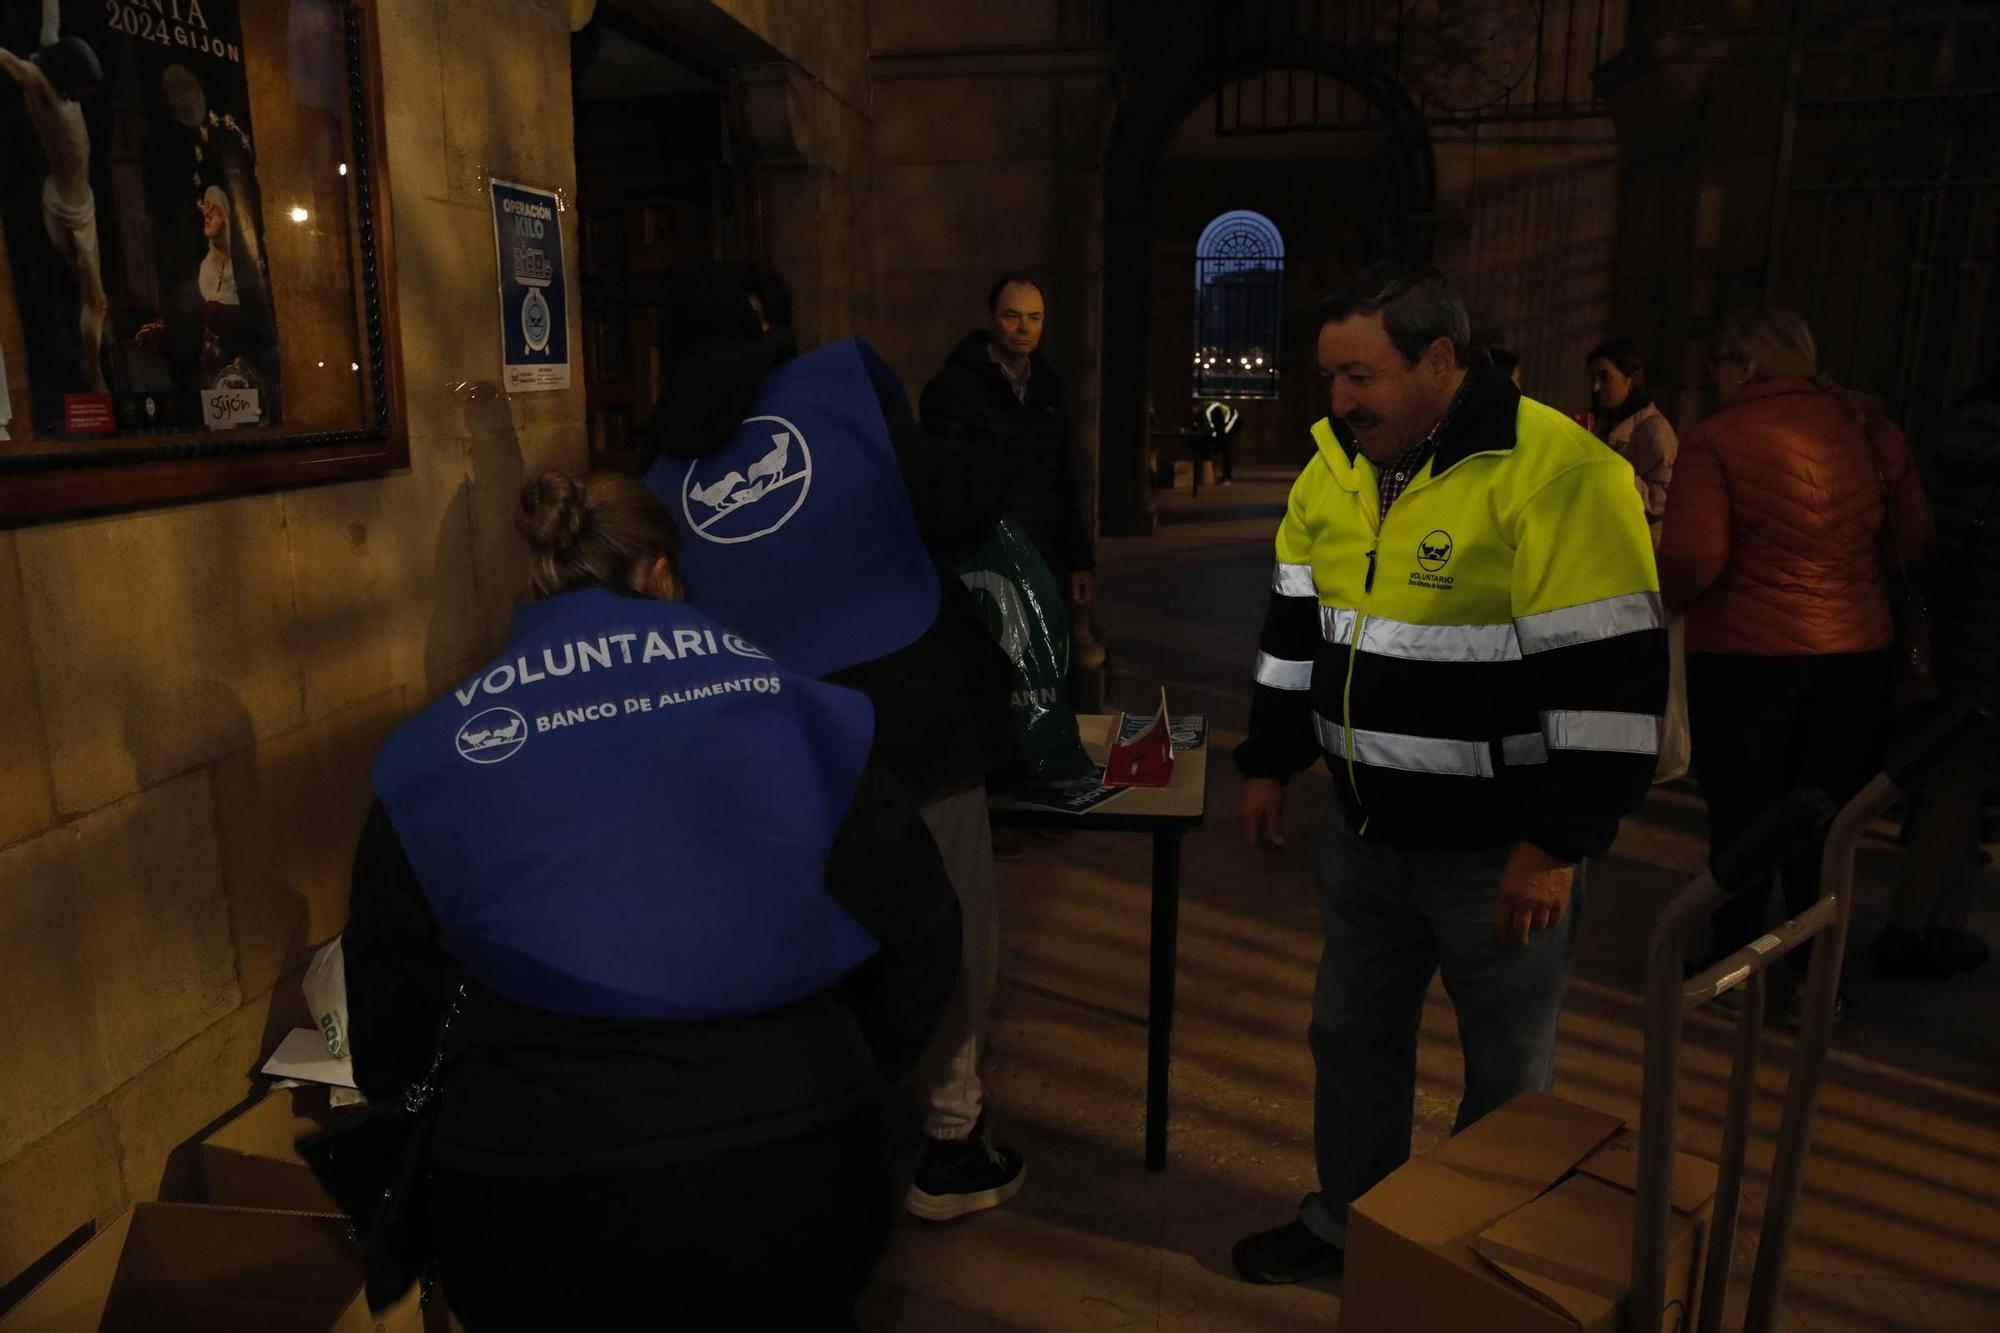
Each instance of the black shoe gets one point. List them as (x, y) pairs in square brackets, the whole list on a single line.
[(1903, 954), (1289, 1254), (1939, 952), (1955, 950), (960, 1176)]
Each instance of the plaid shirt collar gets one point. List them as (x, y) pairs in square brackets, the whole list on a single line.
[(1395, 477)]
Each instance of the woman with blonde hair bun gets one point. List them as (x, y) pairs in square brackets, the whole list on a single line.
[(681, 930), (1792, 507)]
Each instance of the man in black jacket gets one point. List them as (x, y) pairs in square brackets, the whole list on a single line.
[(996, 390)]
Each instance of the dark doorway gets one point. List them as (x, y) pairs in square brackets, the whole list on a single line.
[(1332, 197), (653, 193), (1338, 198)]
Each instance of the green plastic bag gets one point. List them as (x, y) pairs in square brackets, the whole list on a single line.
[(1024, 611)]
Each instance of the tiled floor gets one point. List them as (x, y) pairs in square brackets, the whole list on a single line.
[(1900, 1229)]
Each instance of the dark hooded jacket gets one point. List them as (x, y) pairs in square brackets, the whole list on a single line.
[(941, 702), (971, 405)]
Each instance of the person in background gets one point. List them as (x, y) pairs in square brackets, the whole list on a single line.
[(997, 391), (1926, 935), (1223, 423), (1483, 352), (1786, 505), (1464, 624), (815, 511), (1627, 420), (696, 938)]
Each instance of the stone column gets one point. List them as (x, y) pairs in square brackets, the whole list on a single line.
[(808, 148), (1084, 107)]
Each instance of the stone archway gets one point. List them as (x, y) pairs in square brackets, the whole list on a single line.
[(1163, 170)]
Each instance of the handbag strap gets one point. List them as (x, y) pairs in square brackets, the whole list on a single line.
[(419, 1093), (1901, 567)]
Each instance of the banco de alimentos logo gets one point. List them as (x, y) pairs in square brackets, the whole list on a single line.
[(491, 736), (1434, 551), (742, 506)]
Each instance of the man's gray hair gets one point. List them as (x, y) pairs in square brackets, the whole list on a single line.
[(1417, 304)]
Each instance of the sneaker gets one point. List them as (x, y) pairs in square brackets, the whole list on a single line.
[(1289, 1254), (960, 1176), (1795, 1012)]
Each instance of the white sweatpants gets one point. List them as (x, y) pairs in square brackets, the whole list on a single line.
[(948, 1077)]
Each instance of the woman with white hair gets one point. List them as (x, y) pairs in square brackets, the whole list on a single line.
[(1790, 508)]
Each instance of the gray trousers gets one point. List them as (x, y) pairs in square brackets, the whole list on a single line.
[(948, 1084), (1393, 918)]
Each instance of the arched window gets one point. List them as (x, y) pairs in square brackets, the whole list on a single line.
[(1239, 296)]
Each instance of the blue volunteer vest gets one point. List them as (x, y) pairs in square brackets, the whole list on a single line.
[(798, 531), (627, 815)]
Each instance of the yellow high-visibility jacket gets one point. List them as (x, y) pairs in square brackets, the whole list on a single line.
[(1485, 665)]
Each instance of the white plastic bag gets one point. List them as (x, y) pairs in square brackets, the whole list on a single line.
[(326, 997)]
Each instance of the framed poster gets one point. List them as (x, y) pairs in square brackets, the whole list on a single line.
[(534, 302), (197, 294)]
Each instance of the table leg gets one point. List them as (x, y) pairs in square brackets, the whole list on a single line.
[(1160, 1001)]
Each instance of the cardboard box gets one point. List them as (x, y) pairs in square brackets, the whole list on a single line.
[(195, 1268), (1521, 1224), (252, 1162)]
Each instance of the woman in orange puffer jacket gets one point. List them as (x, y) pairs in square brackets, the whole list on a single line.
[(1788, 506)]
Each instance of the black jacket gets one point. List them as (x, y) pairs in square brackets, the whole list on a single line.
[(534, 1093), (971, 404), (941, 719), (1965, 566)]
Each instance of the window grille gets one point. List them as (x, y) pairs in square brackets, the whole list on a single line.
[(1239, 299), (1885, 235)]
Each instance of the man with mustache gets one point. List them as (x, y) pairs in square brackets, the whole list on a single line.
[(1465, 623)]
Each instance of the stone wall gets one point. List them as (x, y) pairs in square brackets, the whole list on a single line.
[(1698, 115), (804, 121), (987, 155), (192, 696), (1528, 230)]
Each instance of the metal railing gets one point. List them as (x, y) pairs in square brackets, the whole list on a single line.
[(1669, 998)]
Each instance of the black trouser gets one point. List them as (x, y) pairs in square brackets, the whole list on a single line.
[(781, 1237), (1759, 727)]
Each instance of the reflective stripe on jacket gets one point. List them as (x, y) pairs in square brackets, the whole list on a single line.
[(1486, 665)]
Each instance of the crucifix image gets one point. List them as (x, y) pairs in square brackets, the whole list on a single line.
[(53, 82)]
